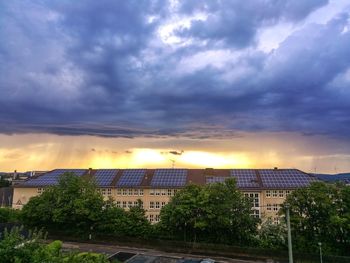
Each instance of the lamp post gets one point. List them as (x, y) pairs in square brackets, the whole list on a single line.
[(290, 250), (320, 245)]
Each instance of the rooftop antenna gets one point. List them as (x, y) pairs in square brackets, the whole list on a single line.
[(173, 163)]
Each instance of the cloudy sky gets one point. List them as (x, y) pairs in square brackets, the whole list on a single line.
[(211, 83)]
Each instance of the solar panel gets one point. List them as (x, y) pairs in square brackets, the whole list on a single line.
[(246, 178), (104, 177), (52, 178), (284, 178), (215, 179), (169, 177), (131, 177)]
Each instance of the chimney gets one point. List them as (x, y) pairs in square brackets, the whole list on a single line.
[(276, 168), (90, 172), (15, 175)]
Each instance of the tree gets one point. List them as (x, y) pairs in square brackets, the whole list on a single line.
[(74, 205), (272, 235), (321, 213), (212, 213), (17, 248), (118, 222), (9, 215)]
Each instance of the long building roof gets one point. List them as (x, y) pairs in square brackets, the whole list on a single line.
[(247, 179)]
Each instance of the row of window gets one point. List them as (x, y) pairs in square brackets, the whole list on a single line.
[(277, 193), (273, 207), (105, 191), (156, 205), (129, 204), (169, 192), (134, 192), (154, 218)]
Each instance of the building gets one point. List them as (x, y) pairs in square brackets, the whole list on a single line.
[(155, 187)]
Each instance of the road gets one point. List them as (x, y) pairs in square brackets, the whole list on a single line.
[(112, 249)]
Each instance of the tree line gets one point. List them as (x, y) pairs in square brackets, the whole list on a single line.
[(215, 213)]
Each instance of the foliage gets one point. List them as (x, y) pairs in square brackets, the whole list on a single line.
[(212, 213), (9, 215), (272, 235), (74, 205), (116, 221), (15, 247), (321, 213)]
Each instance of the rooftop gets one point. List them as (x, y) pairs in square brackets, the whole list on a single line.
[(252, 179)]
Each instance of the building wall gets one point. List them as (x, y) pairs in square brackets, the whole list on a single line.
[(266, 203), (21, 196)]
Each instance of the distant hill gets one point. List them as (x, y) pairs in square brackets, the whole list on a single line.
[(344, 177)]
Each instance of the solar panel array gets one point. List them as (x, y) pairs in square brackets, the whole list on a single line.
[(52, 178), (246, 178), (169, 177), (284, 178), (104, 177), (131, 177), (215, 179)]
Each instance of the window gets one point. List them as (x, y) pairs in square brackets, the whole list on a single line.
[(163, 192), (269, 207), (276, 220), (124, 204), (151, 205), (275, 207), (39, 190), (136, 192), (274, 193), (125, 192), (256, 200), (163, 204), (287, 192), (151, 218), (170, 192), (130, 191), (175, 191), (103, 191), (157, 218), (157, 205), (151, 192), (157, 192), (119, 191), (136, 203), (255, 213), (280, 193), (129, 204), (141, 204), (109, 191), (141, 192), (268, 194), (118, 204)]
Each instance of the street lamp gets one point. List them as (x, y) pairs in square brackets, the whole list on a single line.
[(290, 251), (320, 245)]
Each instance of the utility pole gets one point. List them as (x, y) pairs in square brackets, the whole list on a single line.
[(320, 244), (290, 251)]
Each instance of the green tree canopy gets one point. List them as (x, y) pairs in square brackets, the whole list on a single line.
[(73, 205), (321, 213), (213, 213), (17, 248)]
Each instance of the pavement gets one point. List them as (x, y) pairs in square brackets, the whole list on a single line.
[(147, 255)]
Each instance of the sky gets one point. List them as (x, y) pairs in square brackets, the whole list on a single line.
[(169, 83)]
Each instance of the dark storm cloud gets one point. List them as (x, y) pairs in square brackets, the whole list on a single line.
[(235, 23), (103, 69)]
